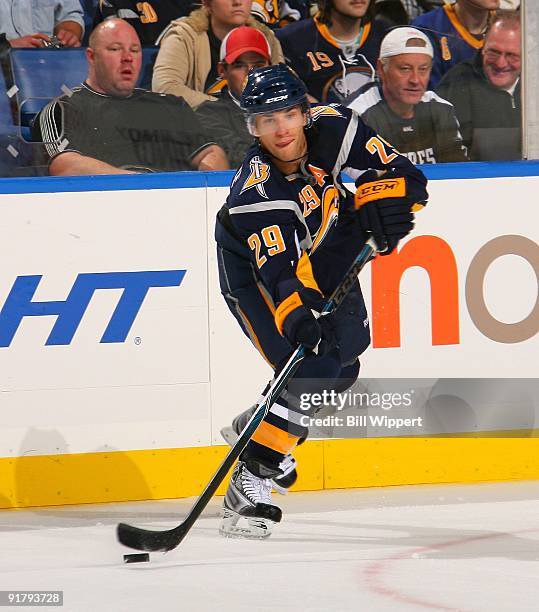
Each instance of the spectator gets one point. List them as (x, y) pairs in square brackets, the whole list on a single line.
[(29, 23), (148, 18), (242, 49), (415, 121), (486, 93), (186, 64), (335, 51), (106, 126), (457, 31)]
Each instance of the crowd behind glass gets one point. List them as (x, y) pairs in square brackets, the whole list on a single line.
[(121, 86)]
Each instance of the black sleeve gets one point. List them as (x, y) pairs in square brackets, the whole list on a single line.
[(448, 137), (60, 128), (454, 89)]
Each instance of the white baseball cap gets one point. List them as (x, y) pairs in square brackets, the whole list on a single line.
[(405, 40)]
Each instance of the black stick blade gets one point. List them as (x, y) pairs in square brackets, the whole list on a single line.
[(151, 541)]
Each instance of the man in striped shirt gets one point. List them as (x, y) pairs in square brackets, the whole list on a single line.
[(108, 126)]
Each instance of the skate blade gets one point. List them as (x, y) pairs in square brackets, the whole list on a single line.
[(256, 529)]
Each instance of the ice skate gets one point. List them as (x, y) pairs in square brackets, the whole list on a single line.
[(248, 511), (280, 483)]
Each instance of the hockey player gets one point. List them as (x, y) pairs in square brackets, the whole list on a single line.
[(285, 237), (334, 52)]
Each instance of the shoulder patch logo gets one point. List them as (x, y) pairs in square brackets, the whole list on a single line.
[(260, 173), (325, 111)]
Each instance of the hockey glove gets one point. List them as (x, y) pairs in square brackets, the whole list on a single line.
[(384, 209), (295, 320)]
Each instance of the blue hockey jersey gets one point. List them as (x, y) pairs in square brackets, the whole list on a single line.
[(330, 74), (452, 42), (301, 230)]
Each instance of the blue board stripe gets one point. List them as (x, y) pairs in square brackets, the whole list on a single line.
[(178, 180)]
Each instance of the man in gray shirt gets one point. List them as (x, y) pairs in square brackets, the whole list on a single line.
[(28, 23)]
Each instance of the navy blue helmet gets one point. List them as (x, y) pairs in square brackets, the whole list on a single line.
[(273, 88)]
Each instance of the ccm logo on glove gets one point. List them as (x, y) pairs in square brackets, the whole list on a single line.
[(379, 190)]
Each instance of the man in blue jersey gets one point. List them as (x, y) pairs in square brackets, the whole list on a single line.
[(457, 32), (335, 52), (286, 236)]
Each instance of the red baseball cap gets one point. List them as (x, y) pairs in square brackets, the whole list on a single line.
[(241, 40)]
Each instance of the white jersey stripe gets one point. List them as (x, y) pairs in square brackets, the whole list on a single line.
[(276, 205)]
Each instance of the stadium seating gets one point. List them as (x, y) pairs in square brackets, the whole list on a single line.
[(43, 74)]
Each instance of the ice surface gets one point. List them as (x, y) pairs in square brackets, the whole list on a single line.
[(450, 547)]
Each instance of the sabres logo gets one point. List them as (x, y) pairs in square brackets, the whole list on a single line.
[(258, 176), (325, 111)]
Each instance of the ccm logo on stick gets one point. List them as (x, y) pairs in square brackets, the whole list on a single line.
[(135, 285)]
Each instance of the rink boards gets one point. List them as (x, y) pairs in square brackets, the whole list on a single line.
[(119, 362)]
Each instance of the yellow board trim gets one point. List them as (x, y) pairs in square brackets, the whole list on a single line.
[(53, 480)]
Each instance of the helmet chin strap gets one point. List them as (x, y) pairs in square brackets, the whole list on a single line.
[(288, 161)]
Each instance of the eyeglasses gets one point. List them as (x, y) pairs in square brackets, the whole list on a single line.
[(495, 55)]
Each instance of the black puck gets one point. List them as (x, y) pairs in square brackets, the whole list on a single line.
[(137, 558)]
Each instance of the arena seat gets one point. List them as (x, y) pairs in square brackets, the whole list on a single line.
[(6, 117), (43, 74)]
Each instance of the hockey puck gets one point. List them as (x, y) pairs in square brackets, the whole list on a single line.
[(137, 558)]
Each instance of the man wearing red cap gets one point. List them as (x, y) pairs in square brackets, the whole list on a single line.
[(243, 49)]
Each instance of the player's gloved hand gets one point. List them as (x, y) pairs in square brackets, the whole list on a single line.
[(295, 319), (384, 208)]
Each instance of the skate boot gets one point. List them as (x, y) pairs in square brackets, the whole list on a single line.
[(280, 483), (248, 498)]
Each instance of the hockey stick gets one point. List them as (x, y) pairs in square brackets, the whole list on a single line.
[(149, 540)]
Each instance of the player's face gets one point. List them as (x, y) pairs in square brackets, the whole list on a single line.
[(229, 12), (405, 77), (351, 8), (115, 60), (502, 56), (281, 133), (236, 72)]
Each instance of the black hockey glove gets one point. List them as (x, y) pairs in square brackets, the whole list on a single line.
[(384, 208), (295, 320)]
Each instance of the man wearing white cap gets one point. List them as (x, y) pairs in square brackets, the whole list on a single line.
[(417, 122), (242, 49)]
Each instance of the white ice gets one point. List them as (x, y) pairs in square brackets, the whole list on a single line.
[(444, 547)]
